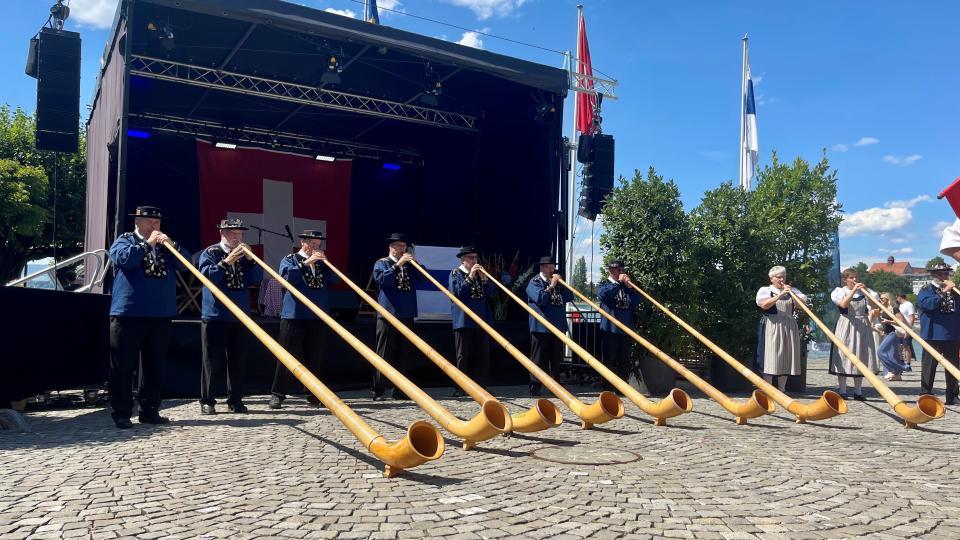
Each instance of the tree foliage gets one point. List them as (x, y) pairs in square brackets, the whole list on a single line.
[(936, 260), (579, 278), (27, 196)]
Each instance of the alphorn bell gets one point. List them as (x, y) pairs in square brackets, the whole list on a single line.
[(541, 416), (422, 442), (947, 366), (928, 407), (758, 404), (829, 405), (606, 408), (676, 403), (492, 419)]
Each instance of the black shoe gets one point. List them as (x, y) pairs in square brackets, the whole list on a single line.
[(207, 409), (458, 393), (400, 396), (859, 397), (123, 423), (275, 402), (534, 390), (237, 408), (314, 402), (153, 418)]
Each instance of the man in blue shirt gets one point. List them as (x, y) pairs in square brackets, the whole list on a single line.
[(940, 327), (618, 299), (302, 333), (143, 301), (471, 287), (549, 299), (398, 296), (224, 339)]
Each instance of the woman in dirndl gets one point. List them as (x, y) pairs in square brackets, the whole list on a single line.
[(854, 330), (778, 343)]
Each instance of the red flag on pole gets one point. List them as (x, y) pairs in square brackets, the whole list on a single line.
[(585, 102)]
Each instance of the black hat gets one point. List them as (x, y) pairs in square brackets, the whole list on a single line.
[(310, 233), (467, 249), (616, 263), (939, 267), (397, 237), (235, 223), (147, 211), (546, 259)]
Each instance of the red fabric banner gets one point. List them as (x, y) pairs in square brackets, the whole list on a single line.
[(273, 191), (585, 102)]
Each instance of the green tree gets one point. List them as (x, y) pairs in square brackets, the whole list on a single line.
[(580, 276), (936, 260), (20, 240), (863, 274), (646, 227), (882, 282)]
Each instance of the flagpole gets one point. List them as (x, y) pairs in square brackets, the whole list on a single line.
[(743, 91), (572, 202)]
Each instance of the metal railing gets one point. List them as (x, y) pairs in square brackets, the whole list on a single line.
[(583, 327), (102, 264)]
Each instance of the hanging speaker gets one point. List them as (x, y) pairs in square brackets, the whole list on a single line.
[(58, 90)]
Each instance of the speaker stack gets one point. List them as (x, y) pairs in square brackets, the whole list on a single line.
[(596, 153), (54, 59)]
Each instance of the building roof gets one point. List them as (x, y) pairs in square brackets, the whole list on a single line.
[(898, 268)]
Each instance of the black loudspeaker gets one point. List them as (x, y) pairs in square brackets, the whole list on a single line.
[(58, 90), (603, 151), (597, 173), (583, 148)]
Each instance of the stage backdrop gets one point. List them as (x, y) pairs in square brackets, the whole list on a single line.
[(273, 191)]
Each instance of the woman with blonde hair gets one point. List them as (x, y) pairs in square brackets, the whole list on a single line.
[(778, 347), (854, 330)]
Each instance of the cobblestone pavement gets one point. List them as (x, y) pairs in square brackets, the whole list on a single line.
[(298, 473)]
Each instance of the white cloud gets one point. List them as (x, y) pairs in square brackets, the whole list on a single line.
[(472, 39), (864, 141), (938, 228), (875, 220), (898, 240), (388, 4), (908, 203), (93, 13), (484, 9), (840, 148), (343, 12), (900, 251), (907, 160)]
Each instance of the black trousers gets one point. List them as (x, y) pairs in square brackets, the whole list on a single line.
[(951, 351), (547, 351), (305, 340), (137, 341), (225, 345), (392, 347), (615, 350), (473, 353)]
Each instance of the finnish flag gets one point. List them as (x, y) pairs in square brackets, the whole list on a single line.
[(749, 146)]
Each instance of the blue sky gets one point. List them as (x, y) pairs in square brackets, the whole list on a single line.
[(874, 83)]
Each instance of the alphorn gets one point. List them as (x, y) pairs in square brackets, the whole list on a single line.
[(947, 366), (492, 419), (607, 407), (829, 405), (928, 407), (541, 416), (676, 403), (758, 404), (422, 442)]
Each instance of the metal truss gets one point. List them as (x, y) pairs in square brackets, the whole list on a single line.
[(589, 84), (207, 77), (271, 139)]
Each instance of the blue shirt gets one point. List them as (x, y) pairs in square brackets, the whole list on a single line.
[(144, 284), (314, 284), (934, 324), (551, 304), (234, 281), (620, 301), (397, 293), (475, 294)]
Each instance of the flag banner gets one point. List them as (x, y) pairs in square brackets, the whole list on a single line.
[(274, 191), (433, 305), (370, 12), (749, 145), (585, 103)]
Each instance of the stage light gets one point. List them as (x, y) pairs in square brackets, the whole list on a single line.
[(226, 146), (321, 157), (433, 86), (138, 134), (545, 112), (164, 34), (330, 77), (391, 166), (430, 100)]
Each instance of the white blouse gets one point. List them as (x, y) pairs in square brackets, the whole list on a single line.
[(765, 293), (840, 293)]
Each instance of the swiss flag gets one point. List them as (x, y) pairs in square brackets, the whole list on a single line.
[(274, 191), (585, 102), (952, 193)]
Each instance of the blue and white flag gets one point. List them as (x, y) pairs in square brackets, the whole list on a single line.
[(370, 12), (749, 146)]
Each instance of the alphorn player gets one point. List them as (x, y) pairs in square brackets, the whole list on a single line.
[(778, 347), (302, 334), (853, 328), (619, 300), (398, 296), (549, 299), (143, 302), (224, 340), (940, 327), (471, 287)]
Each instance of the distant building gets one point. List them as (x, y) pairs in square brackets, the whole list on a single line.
[(918, 277)]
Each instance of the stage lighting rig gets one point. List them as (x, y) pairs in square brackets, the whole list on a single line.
[(164, 34), (58, 15), (331, 75)]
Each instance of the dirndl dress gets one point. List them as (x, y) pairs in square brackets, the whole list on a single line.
[(778, 341), (854, 330)]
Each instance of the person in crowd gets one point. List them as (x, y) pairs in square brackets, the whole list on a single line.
[(889, 350), (940, 327), (224, 340), (143, 303), (909, 312), (472, 343), (854, 330), (397, 295), (618, 299), (778, 347), (547, 298)]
